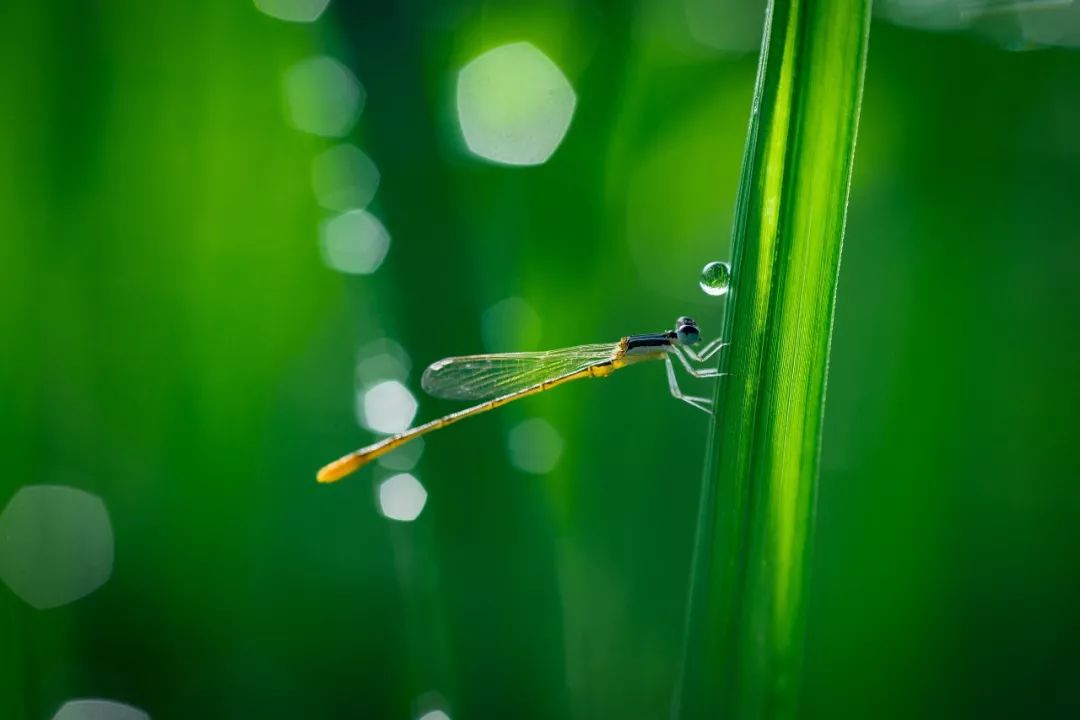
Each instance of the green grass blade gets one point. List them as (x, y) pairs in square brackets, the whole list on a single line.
[(746, 623)]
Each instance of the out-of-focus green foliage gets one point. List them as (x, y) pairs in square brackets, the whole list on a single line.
[(174, 344)]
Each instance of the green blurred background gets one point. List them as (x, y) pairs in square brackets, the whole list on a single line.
[(176, 345)]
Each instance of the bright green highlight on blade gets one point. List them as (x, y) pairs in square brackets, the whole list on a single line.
[(745, 628)]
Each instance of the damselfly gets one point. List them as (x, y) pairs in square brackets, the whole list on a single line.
[(505, 377)]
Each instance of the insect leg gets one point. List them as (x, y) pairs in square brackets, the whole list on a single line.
[(696, 372), (703, 404), (707, 351)]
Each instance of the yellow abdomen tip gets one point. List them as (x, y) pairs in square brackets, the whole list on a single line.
[(339, 468)]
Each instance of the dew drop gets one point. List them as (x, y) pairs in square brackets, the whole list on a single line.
[(716, 278)]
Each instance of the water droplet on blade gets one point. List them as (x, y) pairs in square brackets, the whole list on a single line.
[(716, 278)]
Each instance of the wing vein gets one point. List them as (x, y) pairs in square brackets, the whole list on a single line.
[(482, 377)]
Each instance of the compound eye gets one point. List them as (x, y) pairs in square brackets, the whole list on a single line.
[(688, 334), (684, 321)]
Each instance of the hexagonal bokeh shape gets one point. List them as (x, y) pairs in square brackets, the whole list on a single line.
[(510, 324), (344, 178), (297, 11), (514, 105), (98, 710), (402, 497), (323, 96), (56, 545), (387, 407), (534, 446), (354, 242)]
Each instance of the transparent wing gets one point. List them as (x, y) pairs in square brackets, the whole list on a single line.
[(482, 377)]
